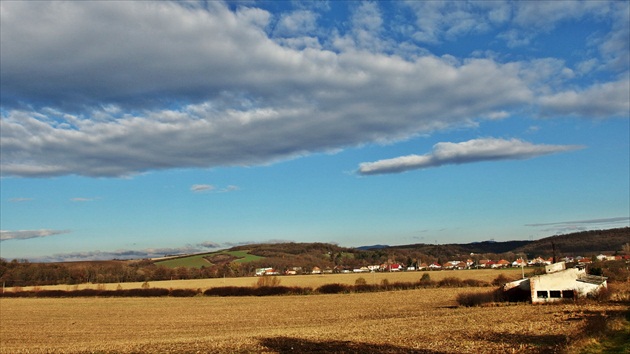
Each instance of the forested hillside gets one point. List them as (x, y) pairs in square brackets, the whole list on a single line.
[(579, 243)]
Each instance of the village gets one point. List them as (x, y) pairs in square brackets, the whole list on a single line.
[(392, 266)]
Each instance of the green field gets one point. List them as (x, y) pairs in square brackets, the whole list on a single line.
[(199, 260)]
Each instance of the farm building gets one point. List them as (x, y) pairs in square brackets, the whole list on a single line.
[(556, 284)]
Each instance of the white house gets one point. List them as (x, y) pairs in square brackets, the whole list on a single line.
[(557, 283)]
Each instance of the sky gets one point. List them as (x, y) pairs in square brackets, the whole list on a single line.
[(135, 129)]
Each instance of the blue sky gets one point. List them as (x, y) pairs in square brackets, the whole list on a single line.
[(137, 129)]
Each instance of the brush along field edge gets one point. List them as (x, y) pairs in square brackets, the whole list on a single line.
[(312, 280), (399, 321)]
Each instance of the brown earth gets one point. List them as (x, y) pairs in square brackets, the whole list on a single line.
[(413, 321)]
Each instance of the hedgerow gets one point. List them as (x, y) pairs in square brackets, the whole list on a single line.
[(256, 290)]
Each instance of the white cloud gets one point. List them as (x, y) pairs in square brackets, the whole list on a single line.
[(321, 101), (81, 199), (610, 99), (27, 234), (446, 20), (198, 188), (20, 200), (143, 86), (296, 24), (476, 150)]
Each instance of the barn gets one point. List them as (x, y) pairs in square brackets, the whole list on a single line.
[(556, 284)]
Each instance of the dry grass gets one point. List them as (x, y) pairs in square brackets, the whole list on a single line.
[(313, 281), (420, 321)]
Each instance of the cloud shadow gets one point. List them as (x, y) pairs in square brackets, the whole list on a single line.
[(299, 345)]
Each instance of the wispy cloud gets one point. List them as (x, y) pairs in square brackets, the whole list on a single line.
[(20, 200), (205, 188), (81, 199), (200, 188), (6, 235), (477, 150), (581, 225), (209, 244), (128, 253)]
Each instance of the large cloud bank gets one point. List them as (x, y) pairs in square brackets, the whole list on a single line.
[(113, 89)]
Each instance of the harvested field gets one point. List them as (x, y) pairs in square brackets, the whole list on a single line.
[(313, 281), (421, 321)]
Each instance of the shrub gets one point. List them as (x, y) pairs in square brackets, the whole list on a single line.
[(425, 281), (601, 295), (183, 292), (335, 288), (51, 293), (146, 292), (619, 292), (475, 283), (451, 282), (271, 290), (500, 280), (268, 281), (360, 281), (401, 286), (145, 285), (366, 288), (230, 291), (385, 284)]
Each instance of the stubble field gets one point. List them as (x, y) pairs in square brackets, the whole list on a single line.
[(410, 321)]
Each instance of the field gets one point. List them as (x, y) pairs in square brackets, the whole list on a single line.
[(200, 260), (302, 280), (421, 321), (411, 321)]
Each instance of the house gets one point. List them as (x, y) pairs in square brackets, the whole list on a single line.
[(265, 271), (435, 266), (556, 284), (454, 265), (538, 261), (422, 266), (395, 267), (316, 270), (373, 268), (603, 257), (361, 270), (485, 263), (519, 263), (500, 264)]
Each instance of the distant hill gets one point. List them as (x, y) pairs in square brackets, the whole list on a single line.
[(574, 244), (373, 247), (585, 243)]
